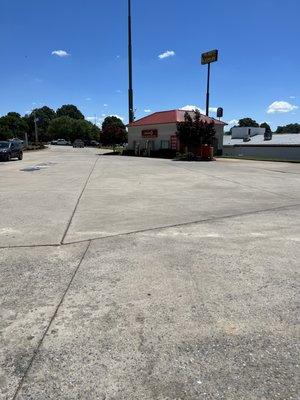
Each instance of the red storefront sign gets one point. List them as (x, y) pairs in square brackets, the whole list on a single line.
[(174, 142), (150, 133)]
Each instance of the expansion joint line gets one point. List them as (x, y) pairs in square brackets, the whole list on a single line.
[(36, 351), (157, 228), (78, 201)]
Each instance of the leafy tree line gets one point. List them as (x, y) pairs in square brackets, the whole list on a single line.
[(249, 122), (66, 122), (290, 128)]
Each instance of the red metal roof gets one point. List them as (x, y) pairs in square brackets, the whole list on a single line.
[(169, 117)]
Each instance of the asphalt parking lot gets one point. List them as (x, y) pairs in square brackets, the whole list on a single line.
[(140, 279)]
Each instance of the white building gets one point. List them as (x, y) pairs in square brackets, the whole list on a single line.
[(282, 147), (243, 132), (158, 130)]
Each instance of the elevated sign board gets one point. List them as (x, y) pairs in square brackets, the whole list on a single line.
[(209, 57), (220, 112)]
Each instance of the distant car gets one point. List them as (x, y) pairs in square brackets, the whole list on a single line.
[(94, 143), (78, 143), (11, 149), (62, 142), (53, 142)]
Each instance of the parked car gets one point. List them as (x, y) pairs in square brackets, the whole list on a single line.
[(78, 143), (61, 142), (11, 149), (94, 143)]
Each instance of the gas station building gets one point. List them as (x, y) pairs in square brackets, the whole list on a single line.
[(158, 131)]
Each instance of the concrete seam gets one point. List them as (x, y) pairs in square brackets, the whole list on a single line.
[(211, 219), (78, 201), (50, 323)]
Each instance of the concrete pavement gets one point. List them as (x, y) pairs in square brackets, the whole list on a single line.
[(127, 278)]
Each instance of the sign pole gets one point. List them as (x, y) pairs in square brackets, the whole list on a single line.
[(130, 90), (208, 58), (207, 91)]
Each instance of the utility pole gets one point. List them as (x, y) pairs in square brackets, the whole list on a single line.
[(130, 91)]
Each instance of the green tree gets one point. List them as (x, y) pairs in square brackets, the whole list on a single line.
[(61, 128), (290, 128), (194, 132), (13, 125), (248, 122), (72, 129), (95, 132), (266, 126), (69, 110), (44, 116), (113, 131), (85, 131)]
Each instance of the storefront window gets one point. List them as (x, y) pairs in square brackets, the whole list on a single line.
[(165, 144)]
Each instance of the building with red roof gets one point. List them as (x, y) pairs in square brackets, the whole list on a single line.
[(158, 131)]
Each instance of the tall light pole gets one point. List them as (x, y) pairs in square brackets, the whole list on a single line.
[(130, 91)]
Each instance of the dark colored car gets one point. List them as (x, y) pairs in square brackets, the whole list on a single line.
[(11, 149), (78, 143)]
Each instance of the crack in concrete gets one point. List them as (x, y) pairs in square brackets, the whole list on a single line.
[(35, 353), (78, 201)]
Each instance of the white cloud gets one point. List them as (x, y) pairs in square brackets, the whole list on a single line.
[(118, 91), (292, 97), (60, 53), (95, 120), (88, 99), (147, 111), (231, 124), (118, 116), (167, 54), (103, 115), (105, 105), (281, 107), (192, 108)]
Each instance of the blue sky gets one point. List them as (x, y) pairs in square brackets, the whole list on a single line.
[(258, 42)]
